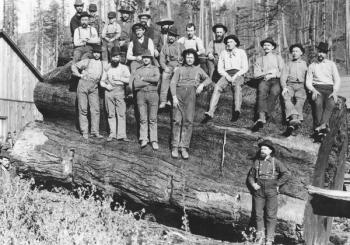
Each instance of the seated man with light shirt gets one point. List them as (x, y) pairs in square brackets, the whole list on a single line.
[(233, 63), (323, 81)]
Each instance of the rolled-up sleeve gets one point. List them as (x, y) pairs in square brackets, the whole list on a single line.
[(244, 63)]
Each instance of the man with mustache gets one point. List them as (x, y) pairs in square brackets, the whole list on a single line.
[(164, 24), (293, 87), (267, 69), (90, 72), (125, 35), (85, 37), (75, 21), (110, 35), (170, 59), (191, 41), (114, 80), (265, 177), (323, 81), (95, 20), (215, 47)]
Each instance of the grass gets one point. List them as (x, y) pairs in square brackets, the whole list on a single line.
[(32, 216)]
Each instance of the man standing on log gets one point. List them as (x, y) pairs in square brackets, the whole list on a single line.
[(293, 87), (266, 176), (87, 92), (188, 80), (75, 21), (323, 81), (138, 46), (110, 35), (145, 82), (95, 20), (233, 63), (164, 24), (267, 69), (215, 48), (85, 37), (170, 59), (125, 24), (114, 80)]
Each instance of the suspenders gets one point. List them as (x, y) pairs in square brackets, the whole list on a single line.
[(257, 173)]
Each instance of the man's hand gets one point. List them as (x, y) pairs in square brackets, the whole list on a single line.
[(167, 69), (256, 186), (315, 93), (200, 88), (175, 101), (211, 56), (285, 91), (109, 87), (138, 58), (335, 96), (121, 43)]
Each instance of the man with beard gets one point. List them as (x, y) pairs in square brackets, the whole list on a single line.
[(265, 177), (110, 35), (170, 58), (215, 48), (87, 92), (144, 81), (137, 47), (125, 35), (232, 65), (163, 37), (75, 21), (293, 87), (114, 81), (323, 81), (85, 37), (188, 80), (95, 20), (267, 69)]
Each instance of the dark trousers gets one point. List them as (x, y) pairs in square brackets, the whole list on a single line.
[(268, 92), (183, 116), (323, 104), (265, 199)]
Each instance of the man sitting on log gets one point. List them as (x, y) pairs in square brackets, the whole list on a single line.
[(110, 35), (137, 46), (215, 48), (233, 63), (85, 37), (266, 176), (87, 92), (267, 69), (75, 21), (114, 80), (188, 80), (170, 59), (323, 81), (293, 87), (145, 82)]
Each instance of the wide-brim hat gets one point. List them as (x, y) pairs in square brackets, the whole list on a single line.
[(93, 7), (84, 14), (125, 10), (268, 40), (190, 51), (238, 43), (297, 45), (137, 25), (267, 143), (97, 49), (173, 31), (146, 54), (165, 21), (219, 25), (115, 51), (78, 3), (323, 47), (144, 14), (112, 15)]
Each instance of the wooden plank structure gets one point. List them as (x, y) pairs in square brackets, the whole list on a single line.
[(18, 78)]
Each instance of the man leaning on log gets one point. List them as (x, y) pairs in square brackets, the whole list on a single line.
[(265, 177), (323, 81)]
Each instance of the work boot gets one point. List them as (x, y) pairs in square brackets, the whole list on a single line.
[(144, 143), (184, 153), (289, 131), (162, 105), (260, 238), (235, 116), (110, 138), (97, 135), (85, 136), (125, 139), (155, 145), (257, 125), (175, 152), (207, 118)]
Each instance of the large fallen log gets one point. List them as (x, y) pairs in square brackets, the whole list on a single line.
[(204, 187)]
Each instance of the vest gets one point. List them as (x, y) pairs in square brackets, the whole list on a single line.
[(139, 48)]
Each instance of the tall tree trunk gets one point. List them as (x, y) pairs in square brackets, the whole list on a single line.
[(266, 20), (347, 31), (168, 7)]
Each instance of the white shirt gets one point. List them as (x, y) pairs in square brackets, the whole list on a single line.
[(81, 34), (236, 59), (195, 43)]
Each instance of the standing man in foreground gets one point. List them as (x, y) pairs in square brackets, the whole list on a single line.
[(188, 80), (233, 64), (266, 176), (323, 81)]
